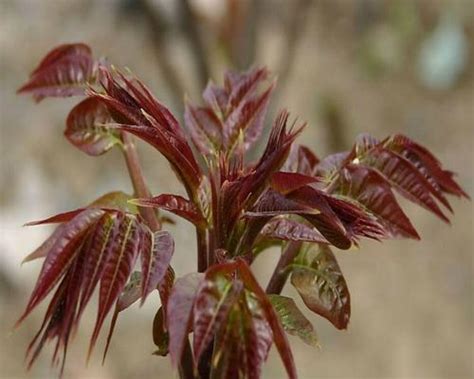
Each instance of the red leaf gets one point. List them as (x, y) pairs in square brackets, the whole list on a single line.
[(62, 51), (426, 162), (279, 336), (179, 315), (302, 160), (165, 287), (274, 156), (235, 114), (86, 127), (410, 168), (60, 256), (327, 221), (95, 245), (177, 152), (65, 71), (243, 333), (214, 300), (248, 117), (100, 244), (319, 281), (59, 318), (50, 323), (175, 204), (357, 221), (290, 230), (258, 338), (117, 269), (56, 219), (43, 249), (130, 294), (241, 86), (205, 128), (216, 98), (330, 166), (371, 190), (243, 191), (406, 178), (138, 112), (286, 182), (155, 260)]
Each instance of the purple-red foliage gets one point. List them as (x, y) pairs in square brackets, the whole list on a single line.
[(287, 197)]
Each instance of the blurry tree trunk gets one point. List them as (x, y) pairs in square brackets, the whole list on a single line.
[(157, 27), (190, 28)]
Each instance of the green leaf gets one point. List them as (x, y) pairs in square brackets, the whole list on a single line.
[(293, 320), (116, 200), (319, 281)]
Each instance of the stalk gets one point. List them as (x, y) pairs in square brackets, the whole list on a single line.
[(202, 251), (138, 181), (279, 276), (149, 215)]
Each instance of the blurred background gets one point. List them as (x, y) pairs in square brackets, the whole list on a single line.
[(345, 66)]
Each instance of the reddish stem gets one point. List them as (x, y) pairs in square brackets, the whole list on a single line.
[(138, 181), (149, 215), (279, 276)]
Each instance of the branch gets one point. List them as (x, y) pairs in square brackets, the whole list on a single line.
[(202, 250), (136, 174), (279, 276), (138, 181)]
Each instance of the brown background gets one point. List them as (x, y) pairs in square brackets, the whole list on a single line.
[(412, 302)]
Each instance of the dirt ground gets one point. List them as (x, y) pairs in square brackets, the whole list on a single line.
[(412, 302)]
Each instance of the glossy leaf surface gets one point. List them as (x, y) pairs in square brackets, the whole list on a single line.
[(65, 71), (238, 207), (93, 247), (180, 306), (86, 127), (293, 320), (318, 279), (175, 204)]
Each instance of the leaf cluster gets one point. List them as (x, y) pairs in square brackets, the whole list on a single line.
[(239, 207)]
